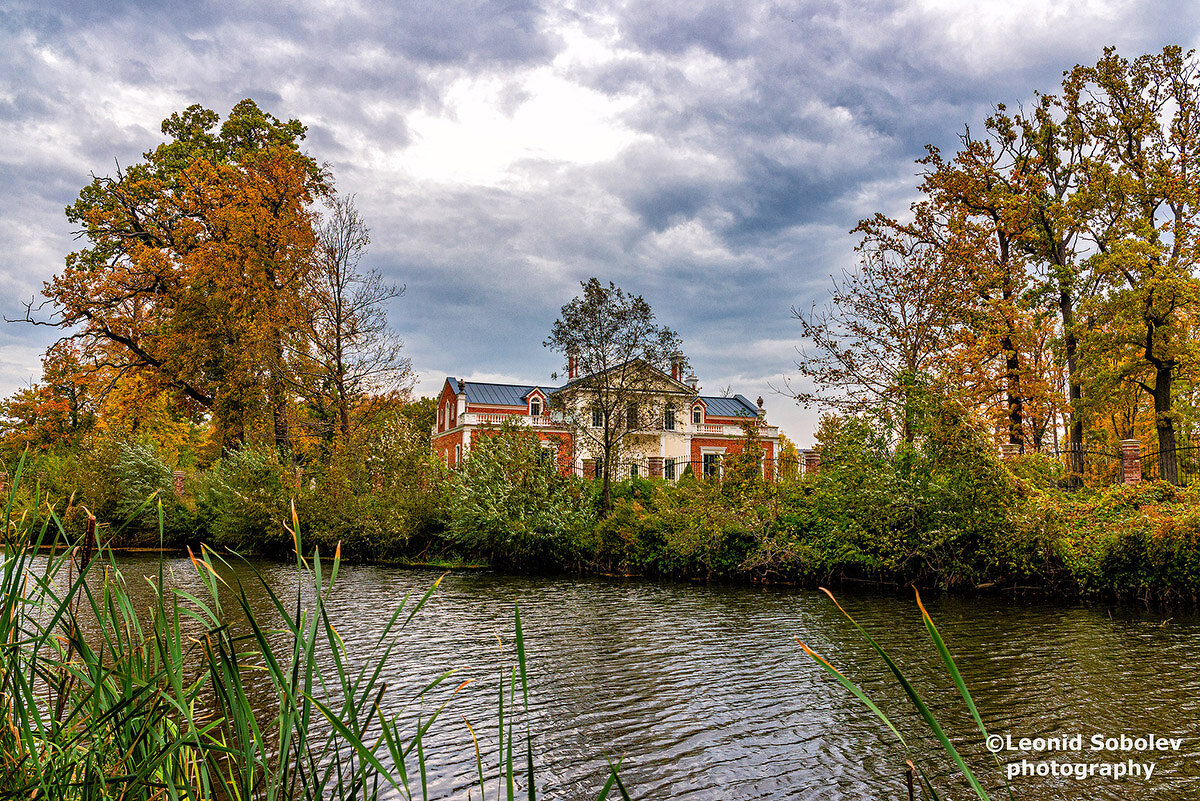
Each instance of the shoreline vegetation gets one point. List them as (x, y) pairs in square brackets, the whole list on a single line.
[(944, 512), (103, 700)]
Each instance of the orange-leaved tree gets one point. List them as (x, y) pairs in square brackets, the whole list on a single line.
[(193, 272)]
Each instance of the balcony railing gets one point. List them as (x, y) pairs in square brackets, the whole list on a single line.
[(725, 430), (491, 419)]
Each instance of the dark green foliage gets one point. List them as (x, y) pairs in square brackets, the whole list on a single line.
[(381, 495), (245, 497), (509, 503)]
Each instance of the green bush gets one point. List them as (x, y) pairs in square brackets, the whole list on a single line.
[(1131, 540), (245, 501), (508, 502)]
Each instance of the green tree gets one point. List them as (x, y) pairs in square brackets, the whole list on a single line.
[(509, 501), (618, 357)]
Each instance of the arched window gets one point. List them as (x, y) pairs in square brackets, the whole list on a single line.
[(697, 415)]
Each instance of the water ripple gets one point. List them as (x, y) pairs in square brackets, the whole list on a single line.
[(702, 693)]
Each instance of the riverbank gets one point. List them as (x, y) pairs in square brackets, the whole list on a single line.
[(945, 514)]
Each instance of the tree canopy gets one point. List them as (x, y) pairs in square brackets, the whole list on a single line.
[(615, 354), (210, 276), (1063, 244)]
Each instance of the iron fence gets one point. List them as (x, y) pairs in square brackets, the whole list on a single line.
[(1186, 465), (1090, 467)]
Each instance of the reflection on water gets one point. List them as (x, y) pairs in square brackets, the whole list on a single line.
[(702, 693)]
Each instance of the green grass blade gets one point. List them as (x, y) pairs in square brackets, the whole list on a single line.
[(919, 703), (955, 675)]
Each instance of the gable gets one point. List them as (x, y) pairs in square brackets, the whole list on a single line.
[(643, 378)]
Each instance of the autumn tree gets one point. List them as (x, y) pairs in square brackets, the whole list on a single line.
[(885, 324), (975, 211), (617, 359), (789, 458), (1050, 150), (1144, 116), (195, 266), (348, 352), (58, 410)]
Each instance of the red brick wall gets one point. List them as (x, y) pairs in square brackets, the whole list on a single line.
[(481, 409), (730, 446), (698, 443), (443, 445), (447, 408)]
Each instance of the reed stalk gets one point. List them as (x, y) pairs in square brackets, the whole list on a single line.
[(100, 700)]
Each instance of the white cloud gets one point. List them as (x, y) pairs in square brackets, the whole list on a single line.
[(711, 156)]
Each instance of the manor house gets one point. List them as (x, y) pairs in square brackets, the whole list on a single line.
[(670, 427)]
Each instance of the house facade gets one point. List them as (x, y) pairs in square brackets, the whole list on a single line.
[(672, 427)]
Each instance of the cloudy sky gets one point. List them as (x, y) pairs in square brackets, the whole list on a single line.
[(710, 155)]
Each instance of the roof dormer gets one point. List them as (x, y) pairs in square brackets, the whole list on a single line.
[(535, 402)]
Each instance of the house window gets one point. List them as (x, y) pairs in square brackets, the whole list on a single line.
[(697, 416), (442, 417), (669, 469), (631, 416), (599, 468), (535, 408), (669, 418), (633, 470), (712, 464), (597, 418), (458, 454)]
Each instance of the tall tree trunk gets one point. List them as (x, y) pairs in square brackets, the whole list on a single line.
[(1168, 466), (606, 484), (279, 401), (1012, 376), (1074, 388)]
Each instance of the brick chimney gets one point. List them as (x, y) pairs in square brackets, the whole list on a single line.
[(677, 366), (572, 365)]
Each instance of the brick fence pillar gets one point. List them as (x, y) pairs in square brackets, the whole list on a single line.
[(654, 466), (1009, 451), (812, 461), (1131, 461)]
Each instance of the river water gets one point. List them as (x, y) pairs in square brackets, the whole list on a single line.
[(702, 692)]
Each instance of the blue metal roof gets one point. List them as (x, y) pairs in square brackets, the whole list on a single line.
[(737, 406), (517, 395), (497, 394)]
